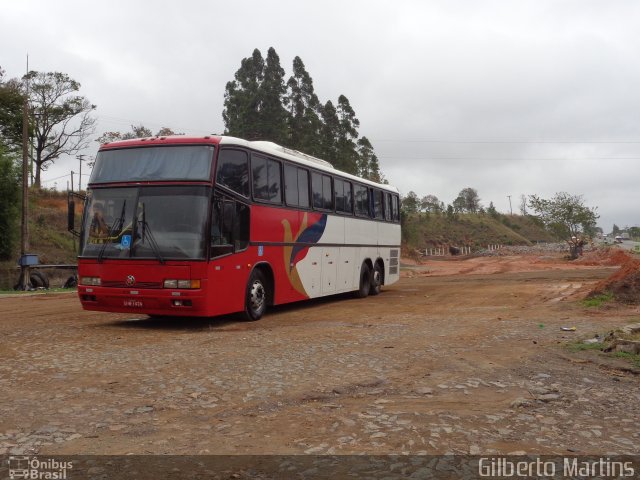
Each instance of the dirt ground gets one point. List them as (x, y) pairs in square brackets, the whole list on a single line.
[(460, 356)]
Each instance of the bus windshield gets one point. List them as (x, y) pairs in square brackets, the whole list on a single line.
[(190, 162), (161, 222)]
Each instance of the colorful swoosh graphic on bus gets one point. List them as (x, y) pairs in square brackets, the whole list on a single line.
[(294, 252)]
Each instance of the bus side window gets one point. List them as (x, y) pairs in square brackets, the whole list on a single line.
[(377, 204), (233, 171), (229, 227), (322, 191), (361, 200), (387, 207), (266, 179), (395, 207), (241, 227), (221, 227), (296, 186)]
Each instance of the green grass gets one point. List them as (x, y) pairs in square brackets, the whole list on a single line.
[(581, 347), (422, 230), (631, 357), (598, 300), (575, 347)]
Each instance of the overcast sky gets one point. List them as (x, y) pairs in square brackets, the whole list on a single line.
[(508, 97)]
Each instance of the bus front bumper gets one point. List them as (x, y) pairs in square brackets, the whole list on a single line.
[(150, 302)]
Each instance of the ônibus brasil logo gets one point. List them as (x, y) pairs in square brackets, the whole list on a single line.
[(38, 468)]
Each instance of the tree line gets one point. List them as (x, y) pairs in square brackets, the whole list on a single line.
[(467, 201)]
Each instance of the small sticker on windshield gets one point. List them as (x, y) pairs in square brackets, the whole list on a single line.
[(126, 241), (260, 250)]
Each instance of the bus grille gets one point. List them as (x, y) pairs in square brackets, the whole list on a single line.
[(112, 284)]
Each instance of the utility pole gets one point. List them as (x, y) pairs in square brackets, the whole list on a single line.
[(72, 180), (80, 159), (510, 208)]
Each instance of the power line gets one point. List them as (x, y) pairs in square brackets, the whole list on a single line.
[(558, 159), (491, 142)]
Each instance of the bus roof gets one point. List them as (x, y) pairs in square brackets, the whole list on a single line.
[(268, 148)]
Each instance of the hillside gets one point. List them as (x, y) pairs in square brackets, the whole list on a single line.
[(421, 231)]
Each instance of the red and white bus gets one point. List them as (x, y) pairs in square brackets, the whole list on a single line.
[(208, 226)]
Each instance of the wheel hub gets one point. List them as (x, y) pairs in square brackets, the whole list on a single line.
[(257, 296)]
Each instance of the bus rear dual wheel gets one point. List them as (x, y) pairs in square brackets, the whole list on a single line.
[(370, 281)]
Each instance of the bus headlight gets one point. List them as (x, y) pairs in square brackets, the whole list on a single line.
[(91, 281), (182, 284)]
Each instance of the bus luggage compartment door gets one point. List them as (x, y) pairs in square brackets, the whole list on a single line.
[(329, 269)]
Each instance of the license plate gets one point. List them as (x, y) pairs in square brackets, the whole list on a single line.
[(133, 303)]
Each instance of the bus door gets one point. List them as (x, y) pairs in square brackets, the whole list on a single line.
[(229, 239)]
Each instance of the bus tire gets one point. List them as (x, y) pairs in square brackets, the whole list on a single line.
[(365, 281), (376, 279), (256, 296)]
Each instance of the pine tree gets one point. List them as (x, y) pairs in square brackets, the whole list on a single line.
[(242, 98), (368, 166), (347, 135), (305, 124), (329, 135), (272, 114)]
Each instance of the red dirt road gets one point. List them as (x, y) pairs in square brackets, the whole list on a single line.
[(462, 356)]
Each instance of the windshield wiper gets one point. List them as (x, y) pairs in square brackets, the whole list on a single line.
[(146, 231), (116, 226)]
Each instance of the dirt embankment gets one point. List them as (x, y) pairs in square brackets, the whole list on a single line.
[(624, 284)]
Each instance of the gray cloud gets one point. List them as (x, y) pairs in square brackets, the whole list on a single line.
[(507, 97)]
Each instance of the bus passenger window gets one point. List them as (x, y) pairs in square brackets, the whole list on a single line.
[(296, 186), (361, 200), (387, 206), (266, 179), (343, 196), (233, 171), (322, 191), (377, 204), (339, 186), (303, 187), (348, 198), (327, 192), (395, 206), (316, 190)]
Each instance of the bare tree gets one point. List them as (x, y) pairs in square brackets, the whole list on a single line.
[(62, 121)]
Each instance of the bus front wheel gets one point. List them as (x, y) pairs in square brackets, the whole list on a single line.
[(256, 296)]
